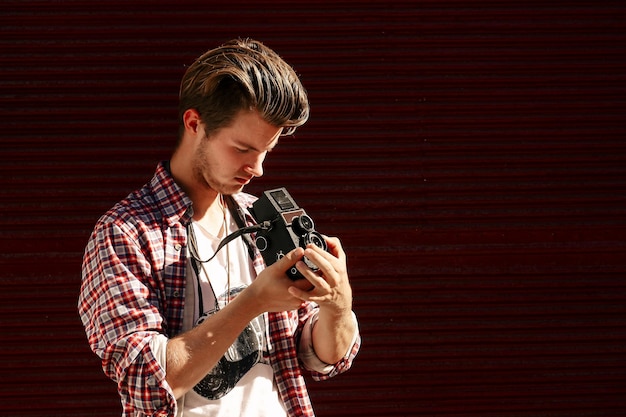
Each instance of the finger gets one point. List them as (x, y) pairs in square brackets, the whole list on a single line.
[(303, 282), (328, 265), (320, 260), (319, 257), (287, 261), (334, 246), (305, 289), (333, 251), (313, 277), (298, 293)]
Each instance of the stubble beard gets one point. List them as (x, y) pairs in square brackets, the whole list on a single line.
[(204, 174)]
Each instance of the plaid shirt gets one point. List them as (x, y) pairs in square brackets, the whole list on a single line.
[(133, 287)]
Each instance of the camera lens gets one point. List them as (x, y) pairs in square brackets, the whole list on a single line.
[(303, 224), (316, 239)]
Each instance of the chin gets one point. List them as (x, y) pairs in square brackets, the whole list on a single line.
[(232, 189)]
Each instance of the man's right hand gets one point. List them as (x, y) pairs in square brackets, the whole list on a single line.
[(270, 290)]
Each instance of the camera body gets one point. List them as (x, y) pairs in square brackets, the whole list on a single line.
[(290, 228)]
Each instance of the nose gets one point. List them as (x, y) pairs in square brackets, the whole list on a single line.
[(255, 167)]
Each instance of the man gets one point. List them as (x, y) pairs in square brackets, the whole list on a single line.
[(184, 328)]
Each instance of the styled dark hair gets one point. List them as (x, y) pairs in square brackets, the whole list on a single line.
[(243, 74)]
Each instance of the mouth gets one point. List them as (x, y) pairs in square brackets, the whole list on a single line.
[(243, 181)]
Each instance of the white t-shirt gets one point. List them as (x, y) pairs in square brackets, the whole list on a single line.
[(254, 392)]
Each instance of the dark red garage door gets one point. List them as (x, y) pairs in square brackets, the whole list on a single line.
[(471, 156)]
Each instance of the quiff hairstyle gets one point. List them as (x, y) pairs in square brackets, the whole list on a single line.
[(243, 74)]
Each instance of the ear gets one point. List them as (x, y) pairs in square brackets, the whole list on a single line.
[(192, 121)]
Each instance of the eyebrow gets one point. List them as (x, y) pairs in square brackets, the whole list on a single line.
[(248, 146)]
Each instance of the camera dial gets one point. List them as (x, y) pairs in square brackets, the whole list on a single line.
[(302, 224)]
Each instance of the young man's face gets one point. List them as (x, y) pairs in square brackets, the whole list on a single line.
[(232, 156)]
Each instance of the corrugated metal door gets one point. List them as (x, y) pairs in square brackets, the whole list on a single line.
[(470, 155)]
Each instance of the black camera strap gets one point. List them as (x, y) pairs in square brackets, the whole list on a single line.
[(240, 218), (243, 230)]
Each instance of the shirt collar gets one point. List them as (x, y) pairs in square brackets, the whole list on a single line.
[(170, 199)]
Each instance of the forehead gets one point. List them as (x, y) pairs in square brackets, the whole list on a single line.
[(250, 129)]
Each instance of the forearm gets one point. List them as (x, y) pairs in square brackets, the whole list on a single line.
[(333, 335), (191, 355)]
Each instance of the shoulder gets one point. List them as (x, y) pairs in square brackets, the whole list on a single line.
[(159, 204), (130, 220)]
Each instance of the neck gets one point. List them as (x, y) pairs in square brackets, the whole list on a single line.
[(204, 206), (213, 218), (207, 203), (202, 196)]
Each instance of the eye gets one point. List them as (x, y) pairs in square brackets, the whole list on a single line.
[(242, 150)]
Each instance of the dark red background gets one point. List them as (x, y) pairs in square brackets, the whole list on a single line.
[(470, 155)]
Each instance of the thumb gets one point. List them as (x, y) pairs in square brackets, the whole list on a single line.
[(287, 261)]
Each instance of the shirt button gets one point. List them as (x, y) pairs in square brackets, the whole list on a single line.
[(177, 246), (176, 294)]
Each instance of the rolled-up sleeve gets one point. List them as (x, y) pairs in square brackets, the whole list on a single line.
[(119, 308), (306, 355), (306, 352)]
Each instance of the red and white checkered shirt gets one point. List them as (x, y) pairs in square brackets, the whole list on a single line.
[(133, 287)]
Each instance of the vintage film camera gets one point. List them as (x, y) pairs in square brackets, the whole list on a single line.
[(290, 227)]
